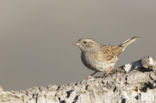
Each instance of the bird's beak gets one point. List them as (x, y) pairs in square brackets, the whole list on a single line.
[(76, 43)]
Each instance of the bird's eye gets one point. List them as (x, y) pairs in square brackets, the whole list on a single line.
[(84, 42)]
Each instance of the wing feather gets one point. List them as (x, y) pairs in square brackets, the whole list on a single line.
[(108, 53)]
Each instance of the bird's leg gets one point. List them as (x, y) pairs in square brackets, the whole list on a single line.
[(89, 76), (107, 72)]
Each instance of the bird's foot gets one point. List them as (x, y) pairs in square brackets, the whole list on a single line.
[(107, 73), (89, 77), (103, 76)]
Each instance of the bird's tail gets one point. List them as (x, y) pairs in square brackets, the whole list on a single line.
[(127, 42)]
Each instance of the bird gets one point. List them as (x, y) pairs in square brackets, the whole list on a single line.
[(99, 57)]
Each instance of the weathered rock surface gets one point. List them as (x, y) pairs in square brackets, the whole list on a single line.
[(130, 83)]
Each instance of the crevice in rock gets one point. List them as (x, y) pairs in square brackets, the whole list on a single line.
[(86, 88), (58, 87), (69, 93), (145, 86), (123, 100), (75, 99), (35, 96), (63, 101), (142, 69), (115, 88), (138, 97)]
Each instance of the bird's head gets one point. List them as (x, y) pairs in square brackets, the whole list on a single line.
[(88, 45)]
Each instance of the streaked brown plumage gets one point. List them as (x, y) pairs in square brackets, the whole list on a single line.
[(99, 57)]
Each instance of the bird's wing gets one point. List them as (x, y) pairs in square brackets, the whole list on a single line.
[(108, 53)]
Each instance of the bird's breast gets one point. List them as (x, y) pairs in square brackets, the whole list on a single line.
[(93, 64)]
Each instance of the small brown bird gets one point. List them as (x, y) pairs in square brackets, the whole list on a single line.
[(99, 57)]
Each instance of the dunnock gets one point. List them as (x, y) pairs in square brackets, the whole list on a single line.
[(99, 57)]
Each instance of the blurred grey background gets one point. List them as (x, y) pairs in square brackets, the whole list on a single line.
[(36, 37)]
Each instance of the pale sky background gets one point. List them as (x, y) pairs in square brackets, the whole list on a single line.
[(36, 37)]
